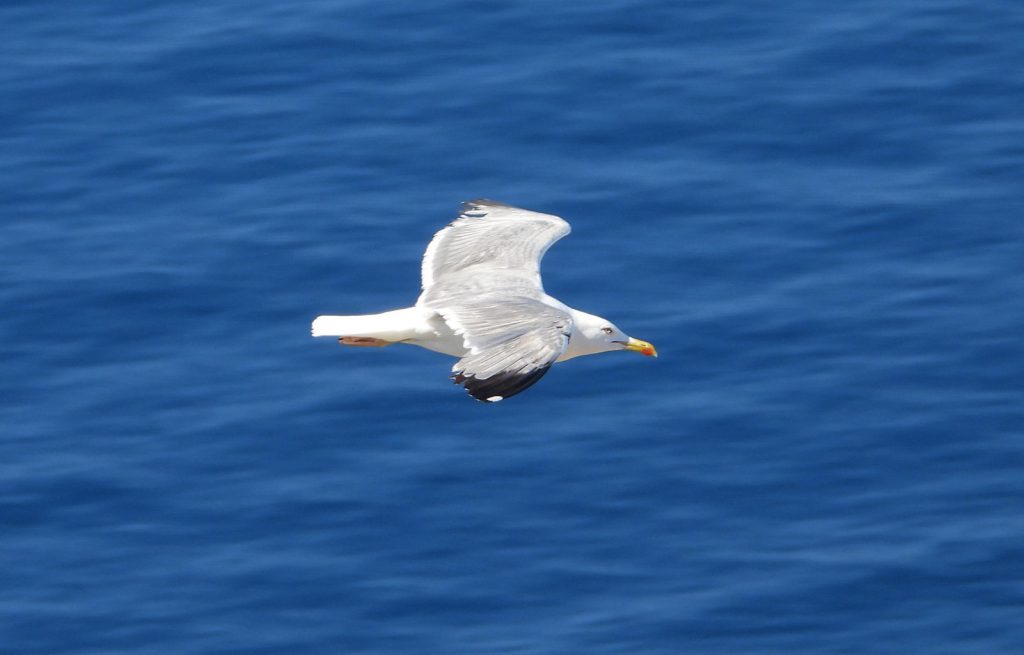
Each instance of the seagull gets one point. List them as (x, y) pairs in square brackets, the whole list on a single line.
[(483, 302)]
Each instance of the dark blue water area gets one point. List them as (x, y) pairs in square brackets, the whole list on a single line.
[(816, 213)]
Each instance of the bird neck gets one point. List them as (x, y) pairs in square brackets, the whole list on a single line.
[(580, 343)]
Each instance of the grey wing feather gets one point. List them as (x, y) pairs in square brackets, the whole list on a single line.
[(481, 273), (512, 342), (490, 236)]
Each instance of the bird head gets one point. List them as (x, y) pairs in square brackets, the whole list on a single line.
[(597, 335)]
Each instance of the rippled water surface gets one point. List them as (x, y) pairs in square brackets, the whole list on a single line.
[(815, 212)]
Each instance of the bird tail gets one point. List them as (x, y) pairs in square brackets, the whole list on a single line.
[(398, 325)]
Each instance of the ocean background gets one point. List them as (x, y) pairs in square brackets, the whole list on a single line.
[(814, 210)]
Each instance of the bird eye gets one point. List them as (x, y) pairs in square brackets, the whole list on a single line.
[(606, 330)]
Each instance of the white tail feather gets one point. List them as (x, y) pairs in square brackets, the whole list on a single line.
[(398, 325)]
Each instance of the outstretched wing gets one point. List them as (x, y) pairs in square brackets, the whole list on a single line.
[(481, 273), (512, 342), (489, 236)]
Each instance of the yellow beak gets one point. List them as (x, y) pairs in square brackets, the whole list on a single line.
[(641, 347)]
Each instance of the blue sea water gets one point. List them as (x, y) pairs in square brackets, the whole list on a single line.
[(814, 210)]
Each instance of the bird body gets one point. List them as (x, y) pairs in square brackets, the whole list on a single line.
[(483, 302)]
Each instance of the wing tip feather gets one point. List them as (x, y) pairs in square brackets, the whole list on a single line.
[(477, 203), (500, 386)]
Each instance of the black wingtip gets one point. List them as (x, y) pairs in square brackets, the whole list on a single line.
[(477, 203), (498, 387)]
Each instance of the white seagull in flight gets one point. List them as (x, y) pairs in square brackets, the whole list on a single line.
[(483, 302)]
